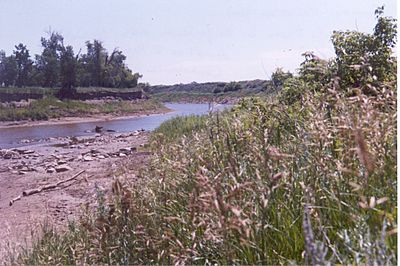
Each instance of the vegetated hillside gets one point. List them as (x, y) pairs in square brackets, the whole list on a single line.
[(210, 91), (308, 177), (208, 87)]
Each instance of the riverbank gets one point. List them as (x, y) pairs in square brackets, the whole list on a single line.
[(53, 108), (80, 119), (101, 157)]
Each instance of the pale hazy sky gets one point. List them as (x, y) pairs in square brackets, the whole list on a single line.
[(180, 41)]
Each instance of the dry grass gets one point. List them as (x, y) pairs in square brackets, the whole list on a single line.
[(313, 182)]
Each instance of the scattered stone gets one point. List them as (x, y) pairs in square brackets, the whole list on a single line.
[(87, 158), (125, 150), (28, 151), (98, 129), (50, 170), (62, 168)]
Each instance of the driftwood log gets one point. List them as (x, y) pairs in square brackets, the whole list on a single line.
[(29, 192)]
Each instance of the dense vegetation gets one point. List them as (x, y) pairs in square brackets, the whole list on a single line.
[(307, 177), (220, 92), (59, 66)]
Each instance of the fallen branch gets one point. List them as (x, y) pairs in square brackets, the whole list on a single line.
[(15, 199), (29, 192)]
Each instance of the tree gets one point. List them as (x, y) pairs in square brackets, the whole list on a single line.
[(97, 68), (48, 63), (8, 69), (315, 71), (68, 63), (24, 65), (364, 59), (93, 64), (2, 69), (279, 76)]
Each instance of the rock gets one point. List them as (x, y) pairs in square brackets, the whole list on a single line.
[(28, 151), (133, 149), (62, 168), (50, 170), (61, 162), (98, 129), (125, 150), (7, 156), (122, 155), (87, 158), (25, 169), (101, 156)]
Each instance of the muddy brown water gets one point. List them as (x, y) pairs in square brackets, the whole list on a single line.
[(30, 135)]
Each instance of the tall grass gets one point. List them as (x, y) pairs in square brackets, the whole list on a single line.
[(267, 183)]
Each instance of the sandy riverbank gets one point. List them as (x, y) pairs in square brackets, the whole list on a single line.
[(102, 156), (74, 120)]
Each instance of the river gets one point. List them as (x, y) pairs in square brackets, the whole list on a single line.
[(17, 136)]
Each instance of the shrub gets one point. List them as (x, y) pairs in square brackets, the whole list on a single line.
[(232, 86)]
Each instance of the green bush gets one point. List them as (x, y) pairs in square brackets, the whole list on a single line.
[(232, 86)]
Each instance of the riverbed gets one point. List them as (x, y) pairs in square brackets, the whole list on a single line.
[(11, 137)]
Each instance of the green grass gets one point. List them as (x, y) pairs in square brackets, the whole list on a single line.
[(204, 97), (265, 183), (51, 107), (176, 128)]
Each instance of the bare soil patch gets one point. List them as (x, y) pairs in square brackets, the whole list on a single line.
[(21, 169)]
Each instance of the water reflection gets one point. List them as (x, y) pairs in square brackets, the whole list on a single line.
[(12, 137)]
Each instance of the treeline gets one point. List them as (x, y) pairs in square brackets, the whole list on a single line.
[(59, 66)]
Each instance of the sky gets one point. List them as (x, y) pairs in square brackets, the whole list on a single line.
[(181, 41)]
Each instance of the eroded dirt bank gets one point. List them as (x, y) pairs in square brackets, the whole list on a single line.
[(32, 167)]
